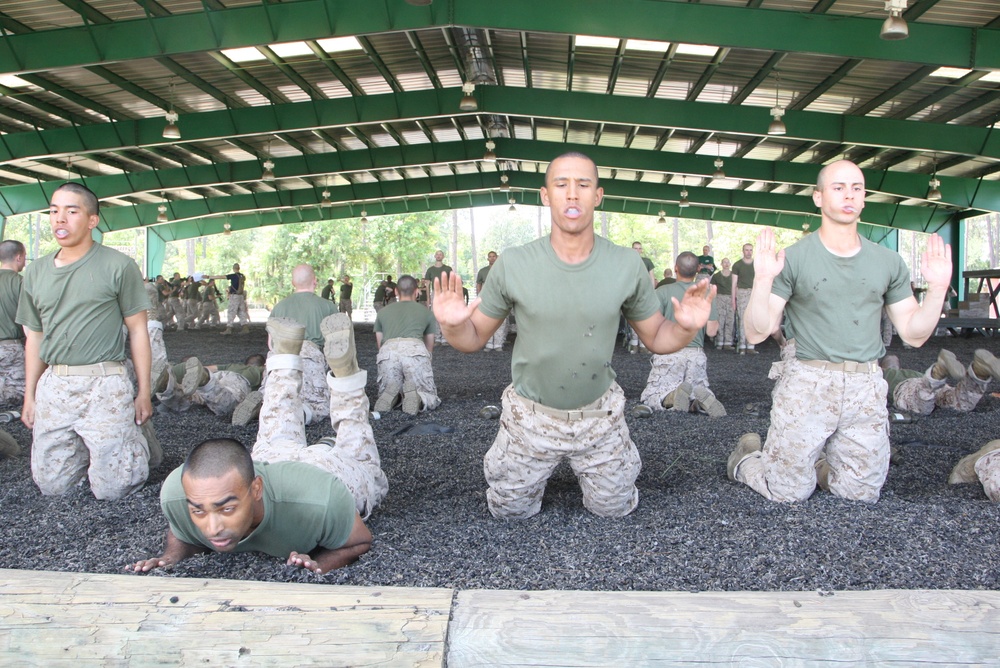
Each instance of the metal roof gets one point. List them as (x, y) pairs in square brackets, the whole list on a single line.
[(361, 98)]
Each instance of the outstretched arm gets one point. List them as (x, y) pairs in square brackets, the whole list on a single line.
[(464, 326), (34, 367), (175, 551), (763, 313), (914, 321), (138, 337), (324, 560), (664, 336)]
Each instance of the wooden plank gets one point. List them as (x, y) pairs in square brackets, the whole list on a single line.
[(885, 628), (58, 618)]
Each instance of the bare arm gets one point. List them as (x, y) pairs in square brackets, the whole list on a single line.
[(138, 336), (915, 321), (378, 340), (464, 326), (712, 327), (34, 367), (735, 279), (429, 342), (175, 551), (664, 336), (763, 313), (323, 560)]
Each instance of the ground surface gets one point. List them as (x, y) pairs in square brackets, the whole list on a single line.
[(693, 530)]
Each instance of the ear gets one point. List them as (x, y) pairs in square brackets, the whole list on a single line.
[(600, 197), (257, 488), (817, 198), (545, 195), (93, 221)]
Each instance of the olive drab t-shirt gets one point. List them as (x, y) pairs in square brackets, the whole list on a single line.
[(10, 292), (405, 320), (81, 307), (567, 316), (308, 310), (677, 289), (834, 304)]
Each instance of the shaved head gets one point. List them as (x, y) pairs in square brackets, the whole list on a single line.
[(303, 277), (216, 457)]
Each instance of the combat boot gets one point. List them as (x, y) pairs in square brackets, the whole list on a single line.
[(9, 448), (338, 347), (387, 400), (947, 366), (706, 399), (965, 470), (248, 409), (195, 375), (411, 400), (749, 444), (286, 336), (985, 365), (681, 398)]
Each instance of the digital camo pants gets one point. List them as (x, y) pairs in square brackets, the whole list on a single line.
[(742, 300), (354, 459), (988, 470), (11, 371), (400, 360), (727, 320), (223, 392), (688, 365), (237, 309), (817, 413), (921, 394), (85, 426), (529, 446)]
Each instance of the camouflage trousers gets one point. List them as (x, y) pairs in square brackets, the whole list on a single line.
[(818, 413), (688, 365), (530, 445), (223, 392), (345, 306), (742, 300), (727, 320), (354, 459), (209, 313), (315, 391), (174, 310), (988, 470), (920, 394), (85, 426), (499, 337), (400, 360), (11, 371), (192, 309), (237, 310)]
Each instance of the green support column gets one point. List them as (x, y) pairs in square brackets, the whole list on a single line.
[(3, 226), (156, 250), (953, 232)]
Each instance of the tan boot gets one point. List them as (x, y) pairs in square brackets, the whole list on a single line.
[(411, 400), (248, 409), (947, 366), (965, 470), (286, 336), (338, 332), (9, 448), (706, 399), (387, 400), (195, 375), (682, 397), (749, 444), (985, 365)]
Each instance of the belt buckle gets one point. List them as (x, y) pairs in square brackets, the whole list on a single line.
[(60, 369), (850, 366), (572, 416)]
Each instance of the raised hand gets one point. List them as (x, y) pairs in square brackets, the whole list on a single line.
[(935, 262), (768, 261), (693, 311), (450, 309)]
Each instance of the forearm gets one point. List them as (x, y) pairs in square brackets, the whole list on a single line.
[(429, 343), (669, 338), (34, 367), (923, 320), (329, 560), (757, 319), (464, 337)]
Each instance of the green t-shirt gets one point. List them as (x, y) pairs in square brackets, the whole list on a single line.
[(192, 291), (744, 273), (834, 304), (405, 320), (483, 274), (304, 508), (307, 309), (706, 265), (896, 376), (434, 272), (81, 307), (567, 316), (10, 292), (723, 283), (677, 289), (646, 262)]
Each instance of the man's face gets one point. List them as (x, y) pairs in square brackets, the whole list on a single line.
[(439, 256), (571, 193), (726, 263), (707, 250), (236, 267), (71, 223), (747, 252), (637, 247), (841, 199), (223, 508), (491, 258)]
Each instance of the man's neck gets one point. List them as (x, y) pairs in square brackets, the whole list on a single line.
[(840, 239), (8, 265), (572, 248), (69, 254), (407, 298)]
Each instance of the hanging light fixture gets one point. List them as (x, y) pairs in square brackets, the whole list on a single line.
[(171, 131), (161, 211), (895, 26), (468, 102), (933, 189), (325, 202), (490, 155), (268, 174), (777, 126), (226, 227), (504, 186), (719, 174), (805, 227), (662, 220), (684, 203), (512, 208), (364, 217)]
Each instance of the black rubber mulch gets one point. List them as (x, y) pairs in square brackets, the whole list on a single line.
[(693, 530)]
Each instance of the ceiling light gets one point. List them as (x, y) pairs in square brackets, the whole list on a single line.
[(504, 186), (777, 126), (894, 27), (491, 155), (171, 131), (512, 202), (325, 202), (934, 192), (268, 174), (718, 174), (364, 217), (161, 216), (684, 203), (226, 227), (662, 220), (805, 227), (468, 102)]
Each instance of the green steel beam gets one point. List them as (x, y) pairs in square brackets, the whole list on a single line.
[(962, 193), (375, 109), (737, 27), (652, 197)]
